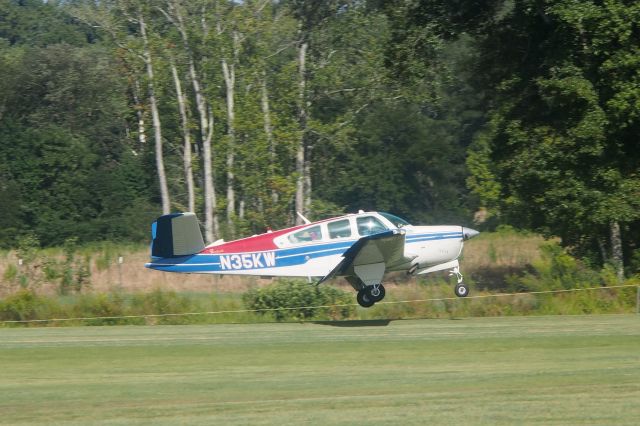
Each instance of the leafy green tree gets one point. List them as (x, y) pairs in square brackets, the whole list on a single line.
[(64, 148), (398, 119), (560, 152), (40, 23)]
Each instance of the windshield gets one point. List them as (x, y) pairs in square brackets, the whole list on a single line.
[(395, 220), (369, 225)]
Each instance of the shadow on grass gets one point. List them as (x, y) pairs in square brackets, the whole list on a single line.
[(356, 323)]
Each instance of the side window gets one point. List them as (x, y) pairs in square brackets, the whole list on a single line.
[(368, 225), (339, 229), (306, 235)]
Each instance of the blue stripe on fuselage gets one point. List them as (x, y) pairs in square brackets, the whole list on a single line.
[(432, 237)]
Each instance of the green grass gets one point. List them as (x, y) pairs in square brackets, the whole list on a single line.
[(520, 370)]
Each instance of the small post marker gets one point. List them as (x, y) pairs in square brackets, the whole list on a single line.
[(120, 262)]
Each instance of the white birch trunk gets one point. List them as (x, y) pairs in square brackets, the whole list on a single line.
[(211, 226), (155, 116), (616, 250), (302, 120), (228, 71), (215, 224), (142, 137), (211, 218), (268, 130), (186, 136), (307, 180)]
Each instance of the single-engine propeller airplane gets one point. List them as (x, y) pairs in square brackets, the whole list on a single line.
[(360, 247)]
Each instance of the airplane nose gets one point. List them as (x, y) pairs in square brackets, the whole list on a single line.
[(469, 233)]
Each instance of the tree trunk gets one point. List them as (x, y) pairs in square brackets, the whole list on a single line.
[(142, 136), (602, 246), (211, 226), (228, 71), (616, 250), (307, 180), (301, 170), (241, 209), (186, 135), (268, 130), (155, 116)]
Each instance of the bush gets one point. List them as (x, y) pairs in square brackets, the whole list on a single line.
[(104, 308), (160, 302), (291, 299), (26, 305), (556, 270)]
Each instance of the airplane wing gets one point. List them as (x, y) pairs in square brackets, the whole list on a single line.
[(370, 256)]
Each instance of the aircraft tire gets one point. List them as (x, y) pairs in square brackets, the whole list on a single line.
[(364, 299), (462, 290), (381, 293)]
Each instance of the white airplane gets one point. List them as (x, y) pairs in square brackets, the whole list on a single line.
[(360, 247)]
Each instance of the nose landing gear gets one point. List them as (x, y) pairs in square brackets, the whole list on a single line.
[(461, 289)]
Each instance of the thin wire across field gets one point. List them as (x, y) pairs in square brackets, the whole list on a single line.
[(242, 311)]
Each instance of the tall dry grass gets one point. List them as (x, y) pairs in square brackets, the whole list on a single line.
[(490, 259), (113, 269), (486, 261)]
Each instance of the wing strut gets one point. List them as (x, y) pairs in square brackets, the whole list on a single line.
[(306, 221)]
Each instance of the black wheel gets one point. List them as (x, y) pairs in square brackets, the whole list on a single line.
[(376, 294), (364, 299), (462, 290)]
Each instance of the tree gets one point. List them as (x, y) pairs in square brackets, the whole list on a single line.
[(559, 154), (40, 23), (394, 128), (66, 163), (176, 14), (186, 136), (117, 19), (311, 16), (155, 115)]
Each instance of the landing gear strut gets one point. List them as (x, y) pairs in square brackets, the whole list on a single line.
[(461, 289), (370, 294)]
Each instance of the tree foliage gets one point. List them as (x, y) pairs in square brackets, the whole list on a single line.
[(558, 154), (429, 109)]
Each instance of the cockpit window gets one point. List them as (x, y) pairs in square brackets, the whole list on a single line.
[(306, 235), (339, 229), (368, 225), (395, 220)]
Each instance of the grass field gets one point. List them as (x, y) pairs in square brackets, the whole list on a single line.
[(582, 370)]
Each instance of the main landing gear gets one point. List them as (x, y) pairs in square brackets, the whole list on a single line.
[(461, 289), (370, 294)]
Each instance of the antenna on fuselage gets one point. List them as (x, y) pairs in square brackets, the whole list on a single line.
[(306, 221)]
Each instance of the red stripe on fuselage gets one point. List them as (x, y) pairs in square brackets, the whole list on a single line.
[(256, 243), (260, 242)]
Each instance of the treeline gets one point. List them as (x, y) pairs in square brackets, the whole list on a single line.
[(525, 112)]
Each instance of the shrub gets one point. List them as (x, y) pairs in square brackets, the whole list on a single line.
[(26, 305), (104, 308), (556, 270), (292, 299), (160, 302)]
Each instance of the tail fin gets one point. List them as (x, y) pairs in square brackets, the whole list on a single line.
[(176, 235)]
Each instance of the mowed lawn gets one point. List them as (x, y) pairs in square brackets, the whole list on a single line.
[(582, 370)]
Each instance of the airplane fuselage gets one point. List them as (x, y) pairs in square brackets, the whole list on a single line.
[(285, 253)]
